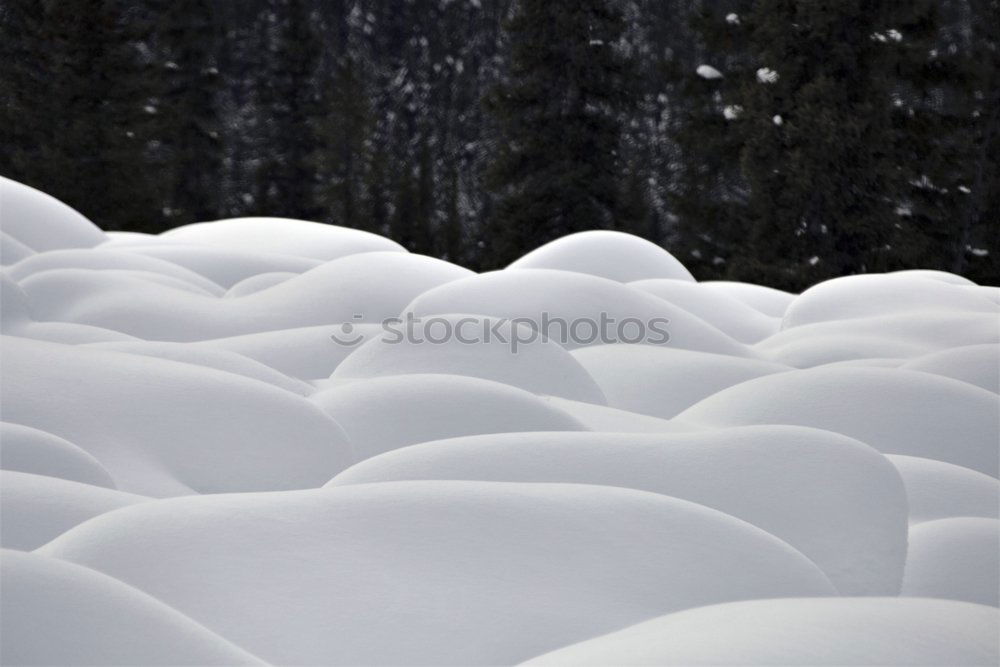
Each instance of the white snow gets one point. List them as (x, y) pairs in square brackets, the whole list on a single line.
[(263, 439), (815, 480), (955, 558), (88, 618), (846, 631), (283, 236), (452, 572), (939, 490), (894, 411), (708, 72), (663, 381), (501, 351), (431, 407), (767, 75), (39, 222), (612, 255)]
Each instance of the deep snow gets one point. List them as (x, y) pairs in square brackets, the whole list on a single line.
[(214, 450)]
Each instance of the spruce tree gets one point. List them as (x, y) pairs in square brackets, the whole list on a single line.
[(559, 117), (187, 36), (289, 103), (709, 191), (818, 145), (85, 110)]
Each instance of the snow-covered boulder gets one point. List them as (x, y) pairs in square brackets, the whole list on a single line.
[(307, 353), (726, 313), (102, 259), (26, 449), (939, 490), (258, 282), (834, 499), (476, 346), (613, 255), (576, 310), (841, 631), (880, 294), (368, 287), (57, 613), (662, 381), (956, 558), (894, 411), (432, 407), (223, 266), (203, 355), (769, 301), (41, 222), (38, 508), (299, 238), (165, 428), (433, 573), (975, 364)]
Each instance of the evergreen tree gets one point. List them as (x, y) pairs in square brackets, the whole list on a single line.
[(818, 145), (289, 104), (559, 115), (709, 191), (187, 37), (86, 106)]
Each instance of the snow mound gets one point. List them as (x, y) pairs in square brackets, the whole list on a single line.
[(834, 499), (607, 254), (101, 259), (307, 353), (767, 300), (223, 266), (938, 490), (433, 407), (663, 381), (37, 508), (845, 631), (372, 286), (12, 250), (26, 449), (41, 222), (726, 313), (872, 295), (431, 573), (894, 411), (164, 428), (975, 364), (544, 297), (956, 559), (475, 346), (285, 236), (17, 319), (612, 420), (58, 613), (258, 282), (223, 360), (907, 336)]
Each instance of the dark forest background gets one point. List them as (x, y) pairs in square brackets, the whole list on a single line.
[(777, 141)]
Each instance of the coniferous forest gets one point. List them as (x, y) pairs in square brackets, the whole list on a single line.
[(775, 141)]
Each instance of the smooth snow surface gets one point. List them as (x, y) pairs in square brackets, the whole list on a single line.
[(848, 631), (57, 613), (612, 255), (820, 484), (454, 572), (956, 559), (274, 441), (39, 222)]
